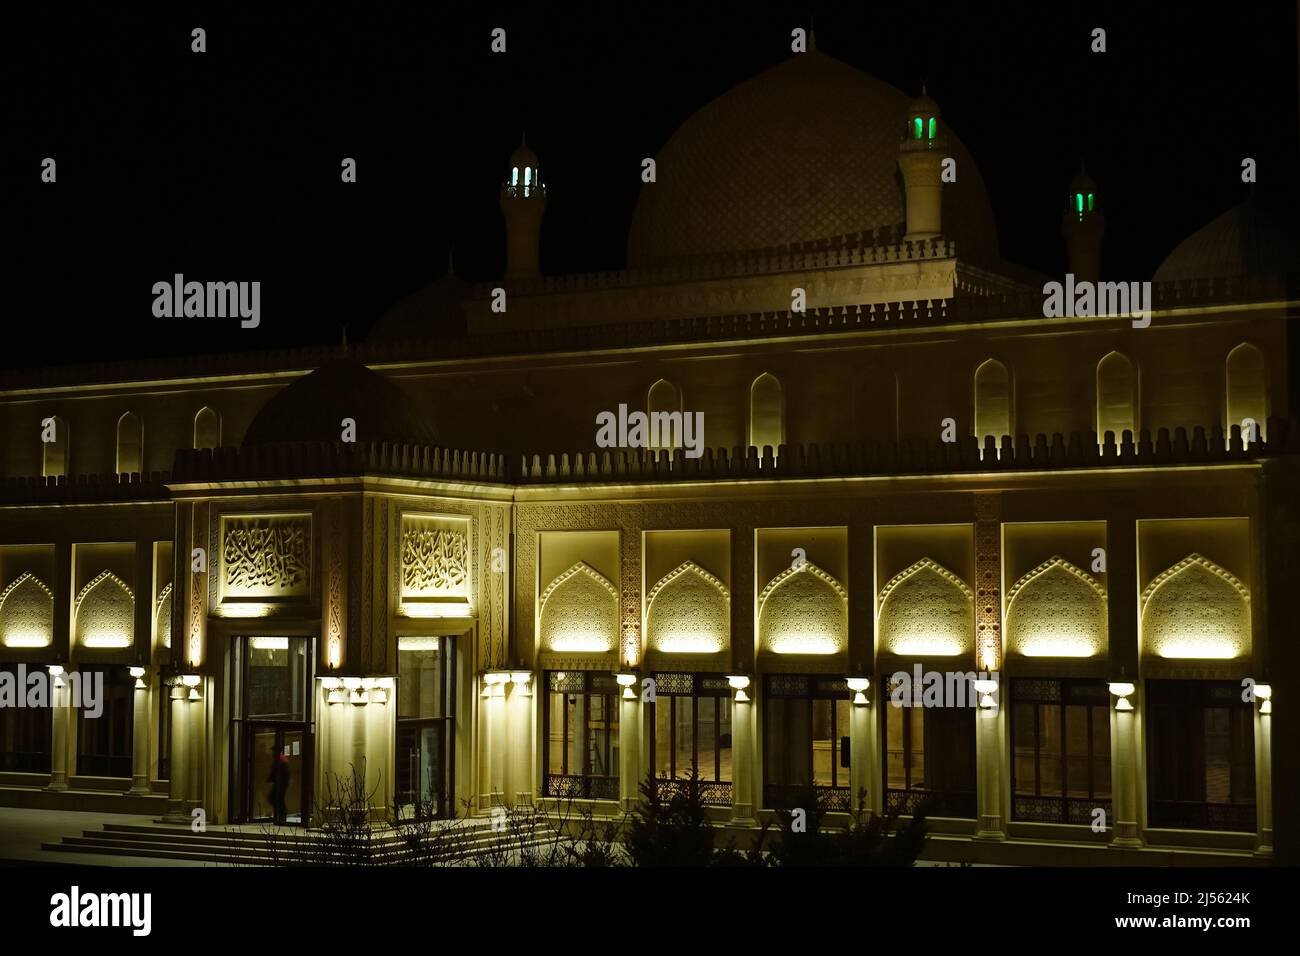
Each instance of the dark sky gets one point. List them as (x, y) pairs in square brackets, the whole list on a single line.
[(225, 165)]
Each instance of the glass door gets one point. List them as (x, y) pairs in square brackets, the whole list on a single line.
[(424, 768), (273, 729)]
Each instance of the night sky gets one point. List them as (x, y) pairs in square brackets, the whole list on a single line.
[(225, 165)]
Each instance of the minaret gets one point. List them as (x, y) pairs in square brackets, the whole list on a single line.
[(920, 157), (1082, 226), (523, 202)]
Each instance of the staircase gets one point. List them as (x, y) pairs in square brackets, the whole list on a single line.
[(465, 842)]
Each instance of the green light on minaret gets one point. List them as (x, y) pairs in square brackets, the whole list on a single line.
[(931, 127), (1078, 201), (918, 127), (1089, 202)]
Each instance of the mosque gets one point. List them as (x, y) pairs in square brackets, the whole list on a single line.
[(411, 554)]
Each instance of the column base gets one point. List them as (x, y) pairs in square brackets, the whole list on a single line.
[(176, 813), (1264, 842), (57, 782), (990, 828), (139, 788), (1127, 835)]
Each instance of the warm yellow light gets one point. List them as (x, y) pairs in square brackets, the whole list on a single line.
[(859, 684), (190, 680), (244, 610), (1206, 648), (269, 643), (520, 677), (418, 643), (496, 677), (106, 639), (625, 680), (56, 670), (352, 683), (436, 610), (330, 683), (1264, 691), (135, 671), (928, 647), (27, 639), (581, 644), (1122, 688), (737, 681), (804, 644), (1266, 707), (696, 644), (1123, 704), (337, 696)]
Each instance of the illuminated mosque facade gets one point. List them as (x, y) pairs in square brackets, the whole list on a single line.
[(905, 467)]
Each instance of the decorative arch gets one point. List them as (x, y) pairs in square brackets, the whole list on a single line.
[(105, 613), (130, 444), (803, 610), (1116, 397), (162, 617), (55, 455), (992, 401), (664, 398), (1057, 610), (579, 612), (688, 611), (207, 428), (766, 413), (1247, 389), (27, 613), (1196, 609), (927, 610)]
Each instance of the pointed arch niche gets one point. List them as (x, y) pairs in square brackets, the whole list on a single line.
[(207, 428), (130, 444), (579, 612), (1056, 610), (803, 610), (105, 613), (1196, 610), (688, 611), (55, 453), (992, 401), (1116, 397), (1247, 389), (27, 613), (766, 413), (926, 611)]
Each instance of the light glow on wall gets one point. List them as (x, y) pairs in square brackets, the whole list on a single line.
[(582, 643), (269, 643), (436, 610), (936, 646), (26, 639), (1062, 646), (697, 644), (244, 610), (804, 644), (418, 643), (1208, 648), (105, 639)]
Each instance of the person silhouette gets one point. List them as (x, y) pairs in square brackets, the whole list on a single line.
[(279, 781)]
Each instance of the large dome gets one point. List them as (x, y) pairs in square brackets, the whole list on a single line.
[(807, 150), (312, 409), (1249, 239)]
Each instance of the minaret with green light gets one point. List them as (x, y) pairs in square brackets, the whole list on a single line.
[(523, 203), (920, 157), (1082, 226)]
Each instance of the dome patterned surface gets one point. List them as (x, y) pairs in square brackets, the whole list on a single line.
[(807, 150), (1248, 239)]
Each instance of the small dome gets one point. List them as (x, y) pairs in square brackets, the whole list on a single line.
[(1248, 239), (435, 311), (312, 409)]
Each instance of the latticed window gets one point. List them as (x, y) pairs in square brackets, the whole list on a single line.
[(581, 732), (806, 741), (1060, 733), (1200, 756), (690, 726), (929, 754)]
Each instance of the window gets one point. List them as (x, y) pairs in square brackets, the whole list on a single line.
[(55, 445), (581, 733), (929, 755), (766, 413), (130, 444), (1060, 733), (104, 740), (806, 741), (1115, 397), (992, 401), (1200, 756), (918, 121), (207, 429), (1247, 388), (425, 691), (931, 136), (163, 691), (664, 401), (690, 725), (24, 731)]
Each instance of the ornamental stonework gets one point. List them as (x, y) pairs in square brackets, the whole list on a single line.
[(435, 560), (803, 610), (266, 557), (579, 612), (1056, 610), (926, 609), (105, 612), (688, 610), (1198, 610), (26, 613)]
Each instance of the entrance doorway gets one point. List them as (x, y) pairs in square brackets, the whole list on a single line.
[(272, 730), (425, 765)]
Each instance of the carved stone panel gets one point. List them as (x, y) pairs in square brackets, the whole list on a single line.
[(803, 610), (926, 610), (579, 613), (266, 557), (435, 559), (688, 612), (1196, 610), (27, 613), (163, 617), (1056, 610), (105, 613)]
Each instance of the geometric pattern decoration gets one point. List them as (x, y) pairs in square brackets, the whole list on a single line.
[(27, 613), (162, 619), (579, 612), (688, 611), (435, 561), (266, 557), (1196, 609), (105, 613), (803, 610), (1056, 610), (926, 610)]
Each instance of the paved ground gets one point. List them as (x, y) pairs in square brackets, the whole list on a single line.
[(23, 831)]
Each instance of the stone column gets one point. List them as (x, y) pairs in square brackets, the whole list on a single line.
[(990, 739), (59, 730), (742, 753), (178, 774), (1121, 626), (520, 719), (1264, 772), (860, 775), (1124, 771), (629, 742), (139, 734)]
